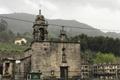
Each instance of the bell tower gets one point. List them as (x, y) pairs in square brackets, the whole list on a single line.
[(40, 25)]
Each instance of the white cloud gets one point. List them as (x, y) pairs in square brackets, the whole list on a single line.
[(42, 4), (98, 13), (99, 18), (30, 3), (4, 11), (110, 4), (47, 7)]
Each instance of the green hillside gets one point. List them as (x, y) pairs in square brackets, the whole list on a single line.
[(10, 47)]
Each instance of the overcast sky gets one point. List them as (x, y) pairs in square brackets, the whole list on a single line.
[(101, 14)]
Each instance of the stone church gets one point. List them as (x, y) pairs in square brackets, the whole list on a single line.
[(59, 58)]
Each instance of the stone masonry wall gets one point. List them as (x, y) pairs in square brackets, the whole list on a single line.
[(47, 56)]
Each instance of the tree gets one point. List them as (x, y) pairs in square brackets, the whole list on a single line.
[(11, 35), (83, 41), (7, 36), (3, 25), (104, 58), (88, 56), (99, 43), (4, 36)]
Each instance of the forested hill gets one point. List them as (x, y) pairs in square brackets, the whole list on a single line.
[(98, 44), (21, 26)]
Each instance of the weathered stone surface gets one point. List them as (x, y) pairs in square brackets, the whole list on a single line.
[(47, 56)]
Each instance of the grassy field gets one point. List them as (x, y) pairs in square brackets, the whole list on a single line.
[(12, 47)]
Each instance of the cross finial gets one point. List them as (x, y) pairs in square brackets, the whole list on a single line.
[(62, 28), (40, 12)]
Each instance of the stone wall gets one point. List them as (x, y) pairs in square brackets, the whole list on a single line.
[(47, 56), (12, 54)]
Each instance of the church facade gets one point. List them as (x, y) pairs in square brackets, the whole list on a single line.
[(58, 58)]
